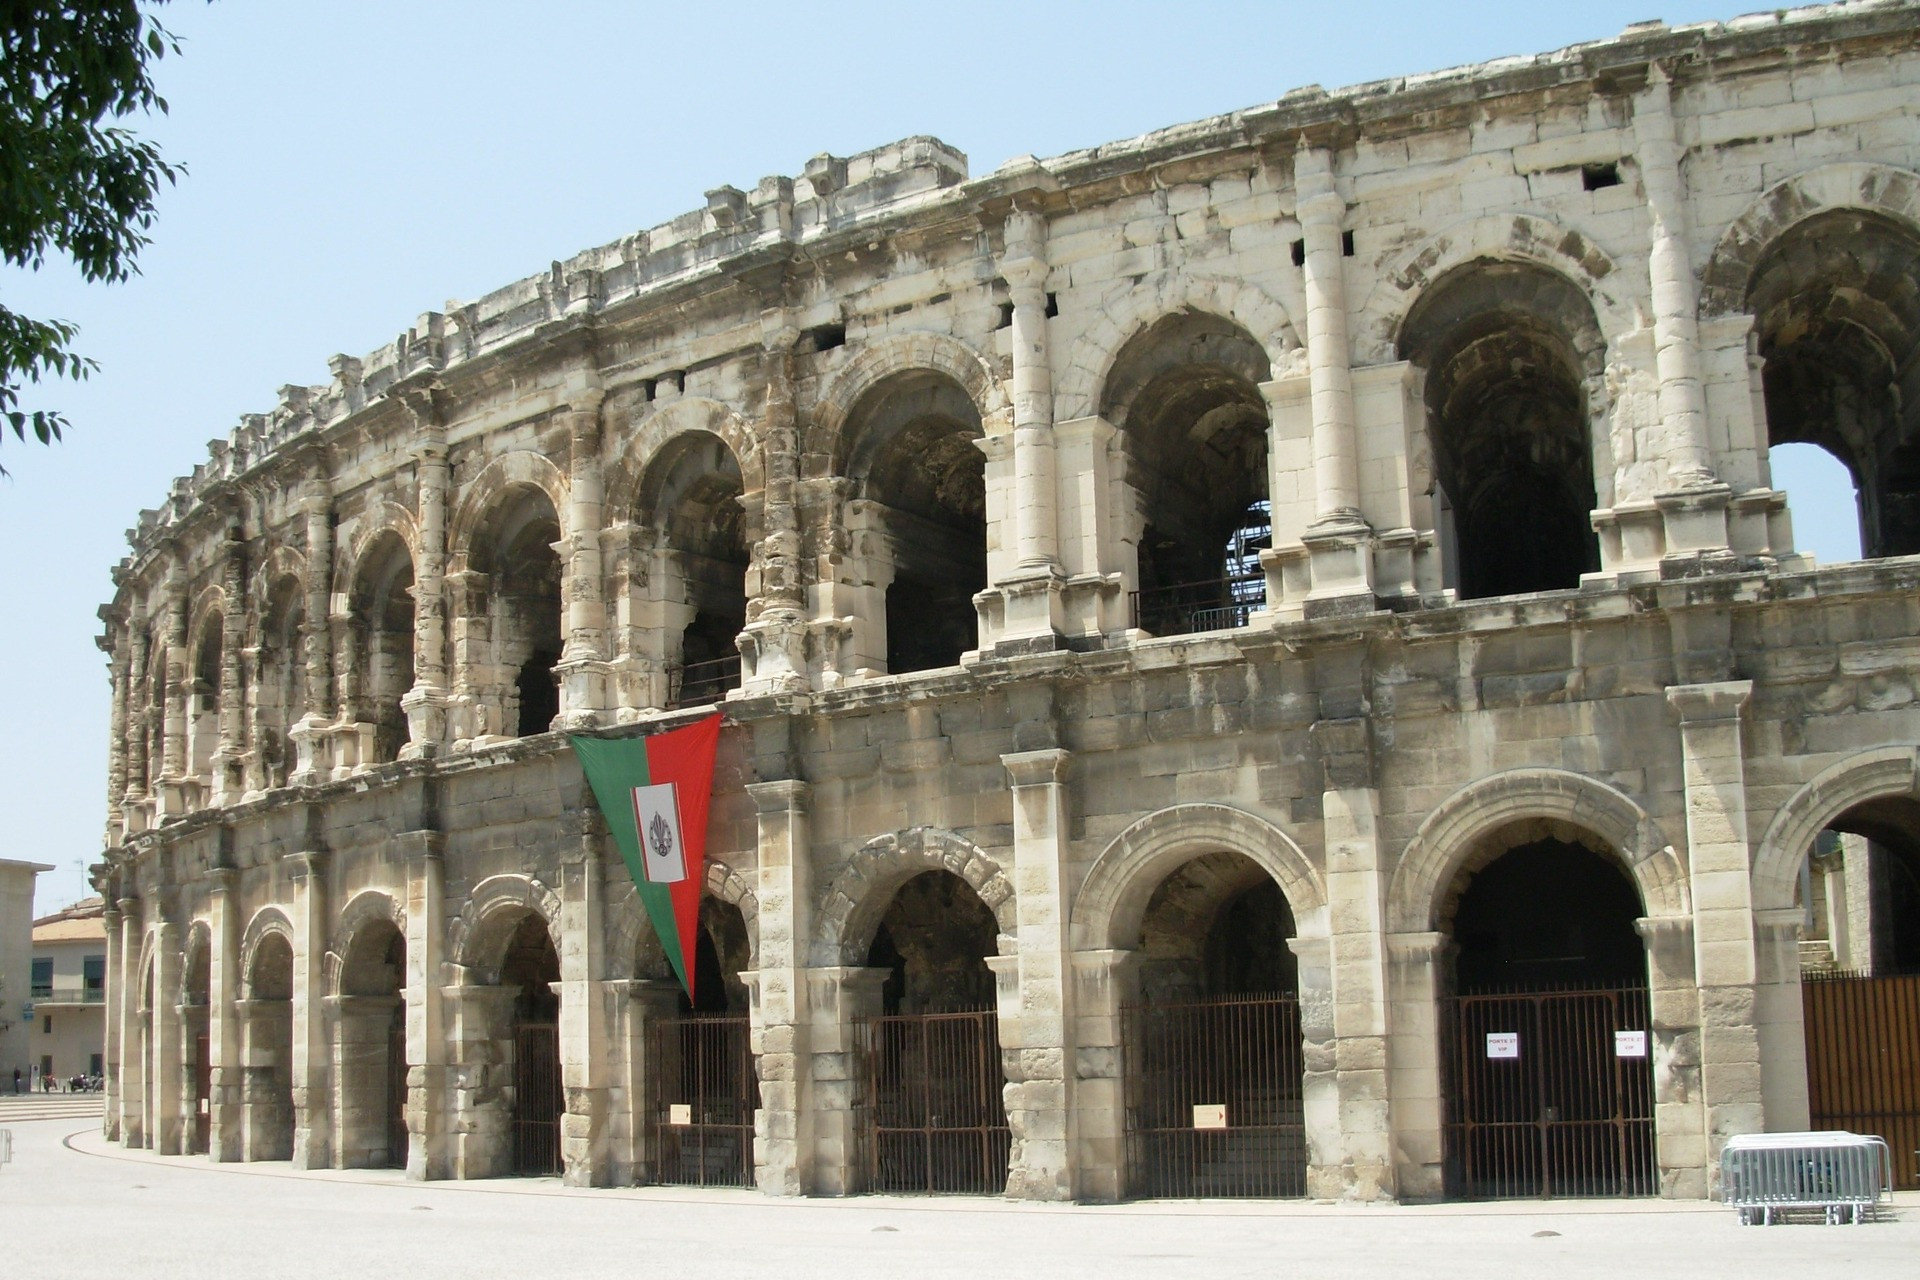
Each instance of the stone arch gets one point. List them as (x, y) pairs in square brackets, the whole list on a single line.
[(1869, 775), (824, 446), (1444, 843), (387, 517), (1109, 907), (853, 905), (279, 564), (1878, 188), (1516, 237), (488, 917), (366, 907), (144, 991), (653, 432), (1158, 295), (267, 921), (210, 603), (199, 943), (479, 495), (625, 928)]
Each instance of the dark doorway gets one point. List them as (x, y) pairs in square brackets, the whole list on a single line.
[(1546, 1033), (706, 1086), (532, 967)]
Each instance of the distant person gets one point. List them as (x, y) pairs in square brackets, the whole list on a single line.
[(16, 1079)]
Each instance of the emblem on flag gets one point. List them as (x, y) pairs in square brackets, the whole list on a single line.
[(654, 793)]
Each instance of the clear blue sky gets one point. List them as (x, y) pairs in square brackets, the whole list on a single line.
[(355, 164)]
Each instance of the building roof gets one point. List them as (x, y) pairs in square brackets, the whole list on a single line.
[(84, 921)]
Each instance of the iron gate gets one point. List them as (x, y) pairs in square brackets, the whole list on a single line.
[(934, 1118), (705, 1090), (1213, 1098), (537, 1098), (1863, 1060), (202, 1092), (1544, 1099), (397, 1090)]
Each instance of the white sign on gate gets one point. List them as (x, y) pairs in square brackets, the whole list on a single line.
[(680, 1113), (1629, 1044), (1503, 1044), (1210, 1117)]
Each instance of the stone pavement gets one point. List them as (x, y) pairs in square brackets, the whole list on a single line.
[(98, 1211)]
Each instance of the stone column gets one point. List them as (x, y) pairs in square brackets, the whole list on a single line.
[(479, 1120), (1413, 1064), (585, 1147), (165, 1131), (1679, 1120), (224, 1050), (172, 795), (1035, 1020), (1780, 1019), (1338, 541), (1719, 865), (361, 1025), (427, 1052), (312, 762), (1031, 592), (229, 757), (1694, 510), (425, 704), (133, 1067), (784, 1140), (312, 1145), (838, 1000), (138, 725), (583, 668), (1104, 983), (115, 642), (773, 645), (116, 1001)]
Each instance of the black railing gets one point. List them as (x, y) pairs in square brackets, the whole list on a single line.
[(1220, 604), (700, 684)]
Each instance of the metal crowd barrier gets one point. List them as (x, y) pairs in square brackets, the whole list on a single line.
[(1844, 1175), (6, 1146)]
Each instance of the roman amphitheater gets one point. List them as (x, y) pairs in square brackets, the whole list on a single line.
[(1264, 659)]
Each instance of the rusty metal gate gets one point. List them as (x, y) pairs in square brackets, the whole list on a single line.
[(1213, 1098), (932, 1115), (705, 1090), (202, 1092), (537, 1098), (1863, 1060), (397, 1090), (1549, 1093)]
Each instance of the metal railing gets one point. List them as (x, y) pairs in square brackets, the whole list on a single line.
[(705, 1091), (1844, 1175), (1220, 604), (1213, 1091), (1549, 1093), (61, 994), (931, 1097), (700, 684)]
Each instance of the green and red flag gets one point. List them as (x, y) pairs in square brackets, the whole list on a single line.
[(654, 794)]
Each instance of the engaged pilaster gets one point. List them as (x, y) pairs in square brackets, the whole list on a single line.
[(784, 1138), (225, 1071), (427, 1052), (312, 1146), (582, 670), (133, 1066), (112, 1031), (312, 761), (585, 1146), (425, 705)]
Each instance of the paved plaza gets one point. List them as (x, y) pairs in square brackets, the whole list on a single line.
[(90, 1209)]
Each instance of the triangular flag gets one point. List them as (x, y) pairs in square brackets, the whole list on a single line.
[(654, 794)]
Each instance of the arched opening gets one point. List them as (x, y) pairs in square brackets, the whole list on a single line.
[(529, 969), (266, 1091), (1836, 304), (370, 1045), (1509, 349), (700, 1064), (196, 1001), (1185, 393), (280, 687), (691, 499), (931, 1067), (517, 609), (919, 519), (1823, 497), (1860, 951), (203, 700), (382, 666), (149, 1072), (1214, 1065), (1546, 1056)]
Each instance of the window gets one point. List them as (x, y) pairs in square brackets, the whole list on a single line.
[(95, 1065), (46, 1024), (42, 977), (93, 978)]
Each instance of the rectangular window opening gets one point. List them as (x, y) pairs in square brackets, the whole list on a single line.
[(1595, 176), (1299, 253), (823, 338), (1053, 305), (1346, 244), (1006, 316)]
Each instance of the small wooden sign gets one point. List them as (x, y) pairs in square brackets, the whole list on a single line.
[(680, 1113), (1212, 1116)]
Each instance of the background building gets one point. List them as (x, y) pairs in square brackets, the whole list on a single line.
[(1263, 659), (16, 966), (70, 991)]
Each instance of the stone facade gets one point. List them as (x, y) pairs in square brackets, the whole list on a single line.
[(1488, 362)]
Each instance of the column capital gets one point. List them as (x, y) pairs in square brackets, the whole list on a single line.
[(1417, 948), (783, 795), (221, 879), (1037, 768), (307, 864), (1665, 931), (1697, 703)]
